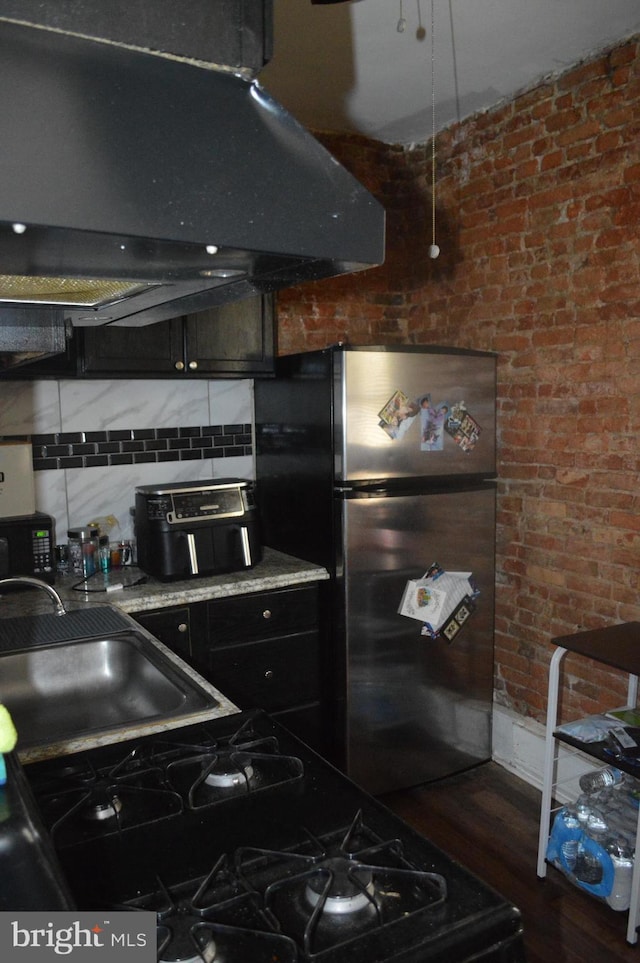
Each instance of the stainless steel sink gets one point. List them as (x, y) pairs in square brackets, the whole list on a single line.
[(75, 688)]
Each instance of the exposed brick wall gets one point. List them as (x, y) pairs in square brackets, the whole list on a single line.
[(538, 215)]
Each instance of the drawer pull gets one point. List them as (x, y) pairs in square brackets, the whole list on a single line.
[(183, 627), (269, 674), (266, 614)]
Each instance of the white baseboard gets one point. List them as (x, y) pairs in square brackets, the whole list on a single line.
[(518, 745)]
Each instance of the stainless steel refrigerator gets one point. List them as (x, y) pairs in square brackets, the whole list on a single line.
[(376, 463)]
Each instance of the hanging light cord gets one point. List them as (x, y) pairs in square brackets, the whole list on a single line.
[(434, 250)]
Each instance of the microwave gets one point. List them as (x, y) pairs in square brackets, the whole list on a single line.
[(27, 546)]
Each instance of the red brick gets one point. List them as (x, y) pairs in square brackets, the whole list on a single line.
[(538, 204)]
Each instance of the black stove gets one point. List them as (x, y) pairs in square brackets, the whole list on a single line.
[(249, 847)]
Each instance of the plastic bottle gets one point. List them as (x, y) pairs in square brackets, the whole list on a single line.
[(570, 845), (597, 824), (620, 850), (564, 840), (598, 779), (583, 808)]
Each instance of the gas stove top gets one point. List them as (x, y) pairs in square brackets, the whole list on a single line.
[(249, 847)]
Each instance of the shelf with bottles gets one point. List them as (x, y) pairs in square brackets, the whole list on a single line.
[(593, 838), (571, 761), (594, 859), (607, 738)]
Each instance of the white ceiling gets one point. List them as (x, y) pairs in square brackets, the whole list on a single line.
[(347, 67)]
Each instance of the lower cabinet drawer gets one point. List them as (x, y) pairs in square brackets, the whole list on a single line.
[(269, 675), (247, 618)]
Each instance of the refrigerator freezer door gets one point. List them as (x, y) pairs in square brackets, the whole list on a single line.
[(416, 708), (402, 414)]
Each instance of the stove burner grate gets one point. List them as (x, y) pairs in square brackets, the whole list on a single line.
[(155, 778), (343, 887), (192, 944), (216, 920), (81, 802), (226, 772)]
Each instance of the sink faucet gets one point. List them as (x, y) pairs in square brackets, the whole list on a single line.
[(36, 583)]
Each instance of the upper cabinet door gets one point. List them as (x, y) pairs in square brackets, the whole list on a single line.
[(230, 341), (235, 339), (154, 349)]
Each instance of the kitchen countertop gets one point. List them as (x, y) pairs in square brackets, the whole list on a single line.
[(276, 570)]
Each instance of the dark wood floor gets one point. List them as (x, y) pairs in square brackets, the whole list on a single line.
[(487, 819)]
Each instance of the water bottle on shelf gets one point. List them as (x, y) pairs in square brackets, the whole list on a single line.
[(583, 808), (597, 824), (620, 852), (597, 779), (570, 833), (564, 840)]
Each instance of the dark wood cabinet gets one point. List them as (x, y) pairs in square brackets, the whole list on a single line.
[(273, 674), (172, 626), (231, 340), (262, 650), (235, 340), (262, 615), (152, 350)]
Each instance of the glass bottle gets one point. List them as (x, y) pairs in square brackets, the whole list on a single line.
[(83, 551)]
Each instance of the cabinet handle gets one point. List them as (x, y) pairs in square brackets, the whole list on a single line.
[(179, 366), (269, 674), (266, 614), (183, 627), (193, 365)]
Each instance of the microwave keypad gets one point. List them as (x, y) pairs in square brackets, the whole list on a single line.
[(42, 550)]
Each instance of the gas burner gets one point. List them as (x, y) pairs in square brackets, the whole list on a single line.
[(341, 886), (227, 772), (185, 942), (230, 772), (102, 809), (344, 887), (85, 803), (214, 920)]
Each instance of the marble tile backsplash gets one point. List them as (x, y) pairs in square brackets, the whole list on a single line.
[(75, 495)]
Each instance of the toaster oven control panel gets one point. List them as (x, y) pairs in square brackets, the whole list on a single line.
[(180, 507)]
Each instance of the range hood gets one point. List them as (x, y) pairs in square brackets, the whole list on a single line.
[(136, 187)]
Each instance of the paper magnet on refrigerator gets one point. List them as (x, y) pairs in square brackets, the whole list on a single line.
[(443, 601)]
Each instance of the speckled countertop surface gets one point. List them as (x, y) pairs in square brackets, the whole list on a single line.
[(274, 571)]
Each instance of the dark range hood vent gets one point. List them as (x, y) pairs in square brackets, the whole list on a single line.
[(161, 186)]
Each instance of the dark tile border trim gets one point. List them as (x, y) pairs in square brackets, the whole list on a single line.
[(133, 446)]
